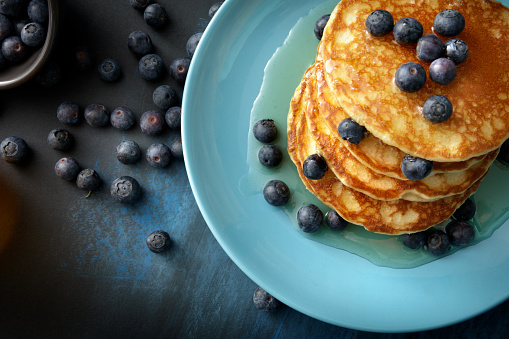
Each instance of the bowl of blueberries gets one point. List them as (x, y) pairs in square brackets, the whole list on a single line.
[(27, 35)]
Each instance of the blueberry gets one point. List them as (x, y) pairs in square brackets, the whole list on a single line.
[(320, 26), (456, 50), (122, 118), (151, 67), (460, 232), (109, 70), (173, 117), (335, 221), (14, 150), (128, 152), (179, 68), (442, 71), (449, 22), (414, 241), (18, 24), (139, 43), (314, 167), (155, 15), (503, 154), (410, 77), (192, 43), (50, 75), (12, 7), (97, 115), (33, 34), (379, 23), (88, 180), (466, 211), (140, 5), (309, 218), (270, 155), (152, 123), (164, 97), (83, 59), (158, 155), (265, 130), (351, 131), (430, 47), (125, 189), (158, 241), (264, 301), (6, 28), (67, 168), (38, 11), (415, 168), (276, 193), (214, 8), (68, 113), (14, 50), (60, 139), (407, 31), (176, 149), (437, 243), (437, 108)]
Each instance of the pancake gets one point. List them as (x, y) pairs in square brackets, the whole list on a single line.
[(372, 152), (354, 174), (359, 69), (388, 217)]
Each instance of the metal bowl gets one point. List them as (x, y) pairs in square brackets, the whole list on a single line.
[(15, 75)]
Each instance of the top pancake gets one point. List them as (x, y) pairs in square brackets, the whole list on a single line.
[(359, 69)]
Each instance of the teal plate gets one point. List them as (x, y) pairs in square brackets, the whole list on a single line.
[(225, 89)]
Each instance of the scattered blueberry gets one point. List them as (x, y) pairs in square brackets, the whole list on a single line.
[(456, 50), (276, 193), (414, 241), (430, 47), (466, 211), (449, 22), (38, 11), (437, 243), (351, 131), (122, 118), (192, 43), (60, 139), (139, 43), (128, 152), (407, 31), (214, 8), (88, 180), (68, 113), (442, 71), (151, 67), (415, 168), (155, 15), (50, 75), (14, 50), (158, 241), (264, 301), (270, 155), (152, 123), (265, 130), (437, 108), (173, 117), (503, 154), (67, 168), (314, 167), (410, 77), (14, 150), (83, 59), (158, 155), (109, 70), (140, 5), (176, 149), (6, 28), (125, 189), (97, 115), (379, 23), (460, 232), (12, 7), (179, 68), (320, 25), (164, 97), (309, 218), (335, 221)]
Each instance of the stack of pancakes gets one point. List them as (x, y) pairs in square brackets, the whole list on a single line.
[(353, 77)]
